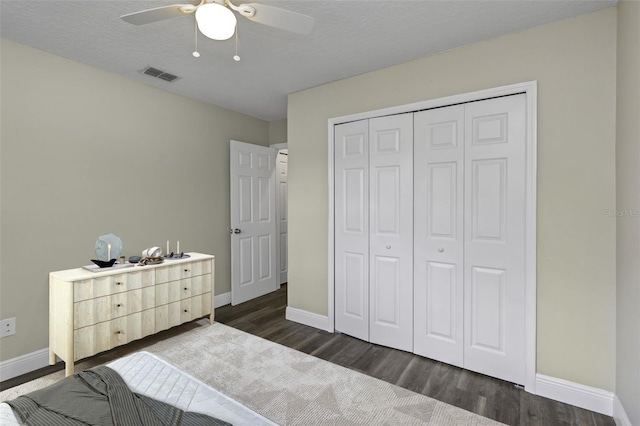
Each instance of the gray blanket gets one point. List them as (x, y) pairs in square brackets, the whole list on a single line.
[(100, 397)]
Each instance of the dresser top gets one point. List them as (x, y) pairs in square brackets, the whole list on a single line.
[(82, 274)]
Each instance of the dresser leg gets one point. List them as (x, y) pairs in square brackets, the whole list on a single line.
[(68, 368)]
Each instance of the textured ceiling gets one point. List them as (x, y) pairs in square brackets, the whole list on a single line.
[(349, 38)]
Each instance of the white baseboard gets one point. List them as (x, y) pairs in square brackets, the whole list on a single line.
[(619, 414), (221, 299), (308, 318), (587, 397), (23, 364)]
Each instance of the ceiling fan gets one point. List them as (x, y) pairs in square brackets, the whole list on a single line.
[(216, 20)]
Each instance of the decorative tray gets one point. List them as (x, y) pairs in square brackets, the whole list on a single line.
[(96, 268), (176, 256)]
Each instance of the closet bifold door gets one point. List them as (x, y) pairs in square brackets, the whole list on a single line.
[(391, 231), (494, 277), (439, 234), (352, 228)]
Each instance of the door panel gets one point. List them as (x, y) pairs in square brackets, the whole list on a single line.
[(487, 312), (354, 285), (352, 229), (387, 208), (438, 241), (489, 199), (391, 230), (253, 257), (441, 294), (494, 237)]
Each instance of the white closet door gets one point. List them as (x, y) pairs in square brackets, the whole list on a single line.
[(494, 237), (439, 234), (352, 228), (391, 225)]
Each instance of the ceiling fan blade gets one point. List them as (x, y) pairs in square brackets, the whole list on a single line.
[(157, 14), (281, 18)]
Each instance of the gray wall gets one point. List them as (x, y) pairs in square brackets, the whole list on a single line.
[(628, 208), (574, 62), (85, 152)]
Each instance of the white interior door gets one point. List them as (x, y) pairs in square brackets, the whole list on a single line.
[(391, 231), (282, 210), (494, 277), (439, 234), (352, 229), (254, 270)]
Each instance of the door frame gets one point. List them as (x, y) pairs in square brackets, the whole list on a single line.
[(278, 147), (530, 89)]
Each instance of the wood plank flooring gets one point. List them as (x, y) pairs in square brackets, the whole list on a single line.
[(493, 398), (489, 397)]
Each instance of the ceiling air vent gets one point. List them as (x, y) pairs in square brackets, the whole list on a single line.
[(155, 72)]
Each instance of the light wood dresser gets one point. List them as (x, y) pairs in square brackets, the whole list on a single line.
[(91, 312)]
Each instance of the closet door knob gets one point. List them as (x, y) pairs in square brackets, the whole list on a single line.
[(440, 250), (388, 246)]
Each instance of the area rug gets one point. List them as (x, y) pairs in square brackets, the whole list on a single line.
[(287, 386)]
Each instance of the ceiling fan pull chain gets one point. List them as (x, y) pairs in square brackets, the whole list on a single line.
[(236, 57), (195, 36)]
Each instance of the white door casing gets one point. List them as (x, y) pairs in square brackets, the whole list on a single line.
[(494, 276), (282, 199), (352, 228), (439, 234), (253, 221), (391, 231)]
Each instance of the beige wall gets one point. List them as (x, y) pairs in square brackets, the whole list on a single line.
[(278, 131), (574, 62), (628, 208), (85, 152)]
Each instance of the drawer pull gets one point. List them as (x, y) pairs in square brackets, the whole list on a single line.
[(186, 270), (119, 305), (118, 283), (118, 332), (186, 310), (186, 288)]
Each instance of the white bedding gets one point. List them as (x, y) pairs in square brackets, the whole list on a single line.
[(149, 375)]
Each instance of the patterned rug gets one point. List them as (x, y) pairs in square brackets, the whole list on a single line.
[(287, 386)]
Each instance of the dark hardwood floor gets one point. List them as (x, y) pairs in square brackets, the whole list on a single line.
[(489, 397), (493, 398)]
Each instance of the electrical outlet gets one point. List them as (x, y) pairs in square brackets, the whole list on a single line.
[(7, 327)]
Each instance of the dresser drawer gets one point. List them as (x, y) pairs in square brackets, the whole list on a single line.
[(174, 291), (109, 334), (100, 309), (200, 284), (173, 314), (182, 270), (107, 285), (200, 305)]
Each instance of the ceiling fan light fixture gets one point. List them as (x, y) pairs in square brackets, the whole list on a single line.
[(216, 21)]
